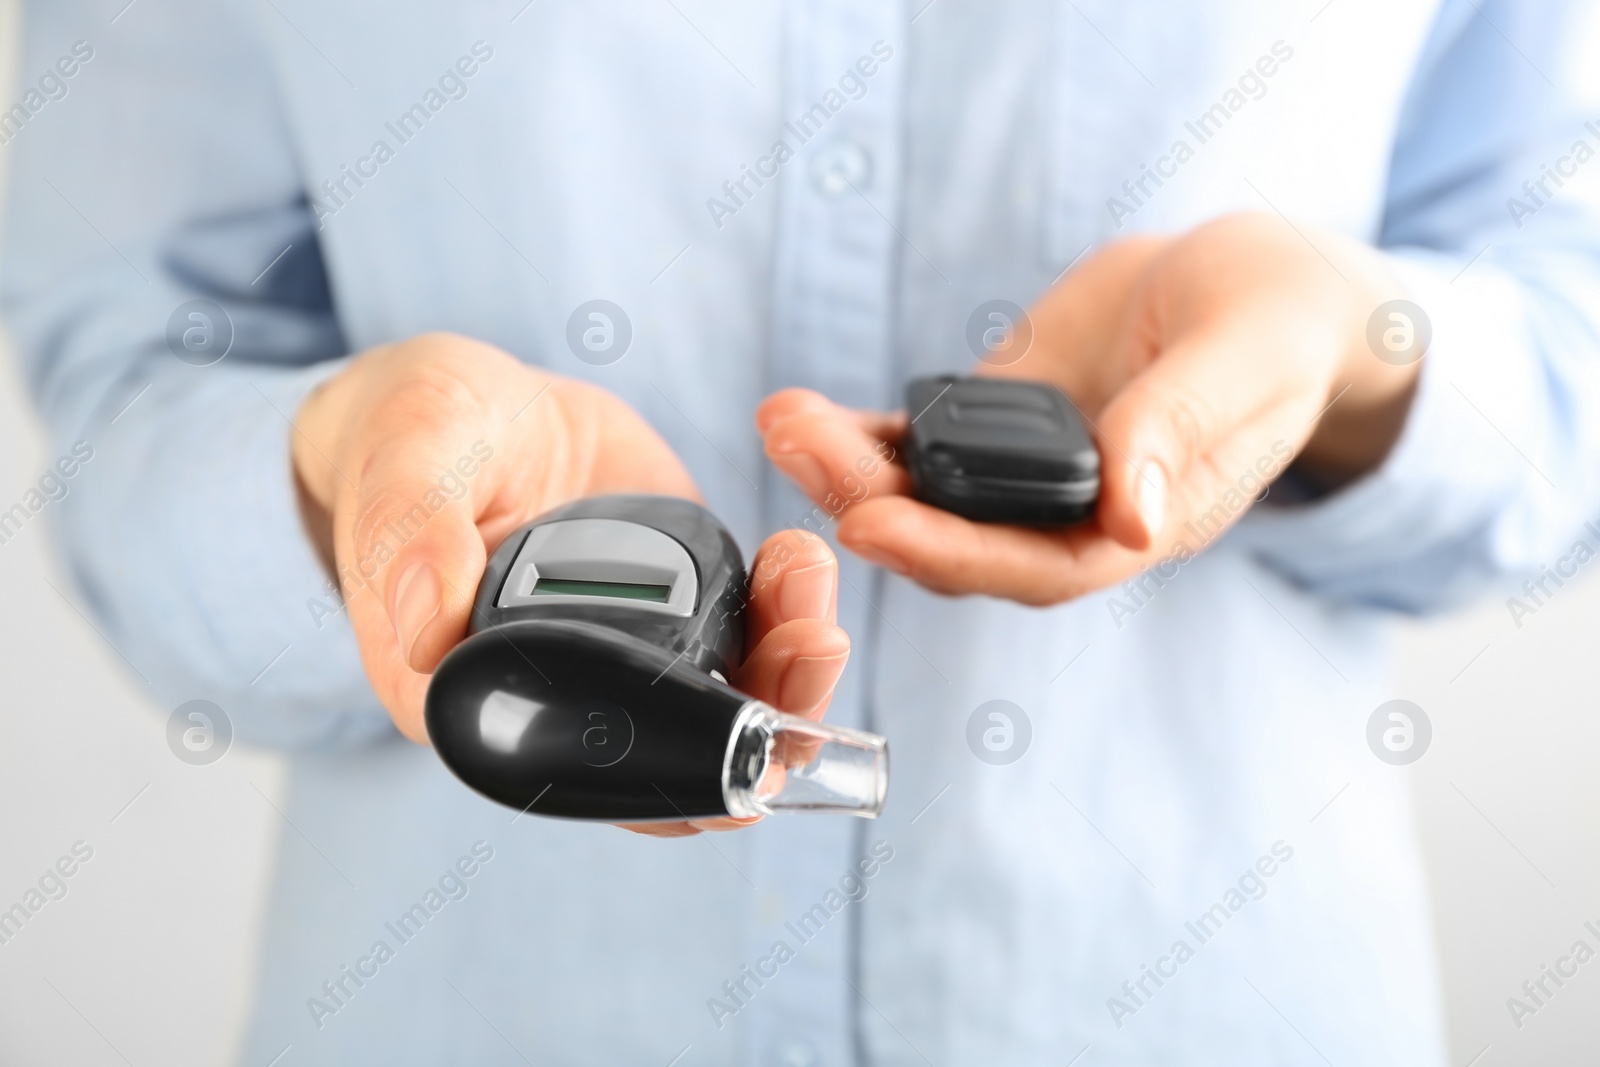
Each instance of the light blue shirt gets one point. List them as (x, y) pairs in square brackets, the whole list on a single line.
[(1196, 858)]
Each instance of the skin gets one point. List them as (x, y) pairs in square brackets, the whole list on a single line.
[(372, 442), (1190, 357)]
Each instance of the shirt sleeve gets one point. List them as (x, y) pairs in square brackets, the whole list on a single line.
[(1492, 222), (156, 174)]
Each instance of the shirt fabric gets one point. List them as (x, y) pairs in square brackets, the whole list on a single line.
[(1194, 767)]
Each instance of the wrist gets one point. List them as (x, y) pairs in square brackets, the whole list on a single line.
[(313, 454), (1368, 398), (316, 440)]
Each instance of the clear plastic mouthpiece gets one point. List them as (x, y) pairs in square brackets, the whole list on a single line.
[(778, 762)]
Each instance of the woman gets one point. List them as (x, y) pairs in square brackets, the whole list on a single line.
[(293, 270)]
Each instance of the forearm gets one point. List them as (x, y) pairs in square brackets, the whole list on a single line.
[(186, 542)]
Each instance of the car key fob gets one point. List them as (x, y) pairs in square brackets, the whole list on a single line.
[(1000, 450)]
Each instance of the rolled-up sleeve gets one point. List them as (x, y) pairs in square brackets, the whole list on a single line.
[(161, 176), (1493, 226)]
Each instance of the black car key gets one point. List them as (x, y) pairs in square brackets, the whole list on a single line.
[(1000, 450)]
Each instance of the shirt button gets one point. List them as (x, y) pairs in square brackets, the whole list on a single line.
[(797, 1054), (838, 166)]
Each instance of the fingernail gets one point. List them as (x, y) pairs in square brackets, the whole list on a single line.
[(1150, 498), (807, 593), (881, 557), (808, 681), (806, 472), (416, 602)]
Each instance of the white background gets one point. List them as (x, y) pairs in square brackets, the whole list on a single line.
[(148, 958)]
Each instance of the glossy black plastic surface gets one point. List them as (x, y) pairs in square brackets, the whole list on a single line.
[(598, 710), (572, 719), (1000, 450)]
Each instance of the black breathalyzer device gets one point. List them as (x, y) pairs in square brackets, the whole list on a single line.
[(1000, 450), (593, 683)]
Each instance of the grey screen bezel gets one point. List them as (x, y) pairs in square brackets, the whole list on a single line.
[(604, 550)]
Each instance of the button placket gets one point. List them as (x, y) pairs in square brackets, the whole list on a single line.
[(836, 260)]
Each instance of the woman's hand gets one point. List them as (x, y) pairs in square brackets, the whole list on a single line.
[(1204, 365), (420, 457)]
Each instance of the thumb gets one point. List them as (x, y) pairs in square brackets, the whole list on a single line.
[(1170, 419), (413, 524)]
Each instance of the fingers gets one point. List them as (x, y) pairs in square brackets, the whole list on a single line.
[(836, 456), (405, 537), (436, 554), (949, 554), (794, 576), (395, 449), (838, 459), (1201, 374), (795, 652), (796, 666), (681, 829), (1170, 420), (887, 426)]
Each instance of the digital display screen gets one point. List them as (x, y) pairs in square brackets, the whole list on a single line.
[(656, 594)]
